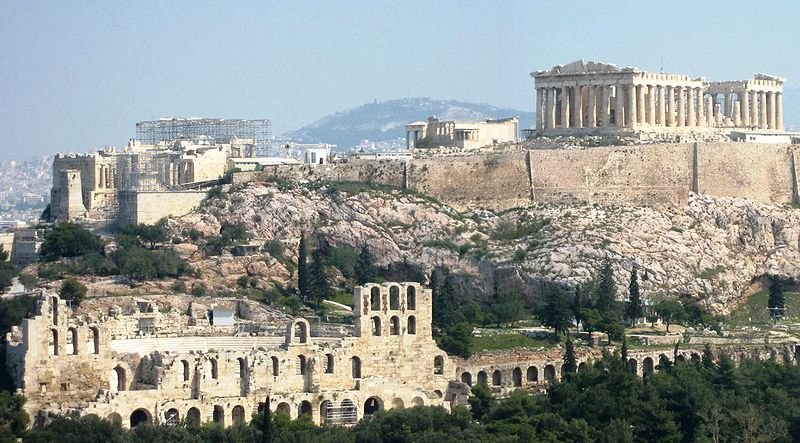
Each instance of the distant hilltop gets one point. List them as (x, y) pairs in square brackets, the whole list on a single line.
[(383, 122)]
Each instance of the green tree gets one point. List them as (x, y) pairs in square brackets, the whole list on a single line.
[(302, 269), (670, 311), (570, 362), (7, 270), (69, 240), (591, 320), (481, 402), (635, 308), (606, 290), (577, 307), (73, 290), (507, 308), (365, 266), (319, 286), (555, 311), (777, 301)]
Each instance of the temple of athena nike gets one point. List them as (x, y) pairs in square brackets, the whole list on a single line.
[(599, 98)]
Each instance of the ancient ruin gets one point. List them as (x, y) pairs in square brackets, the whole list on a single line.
[(459, 134), (596, 98)]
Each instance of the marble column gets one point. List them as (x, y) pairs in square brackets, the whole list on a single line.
[(619, 109), (651, 105), (660, 111), (754, 117), (681, 107), (779, 111), (540, 99), (591, 111), (564, 107), (700, 114), (641, 118), (745, 98), (710, 111), (670, 106), (605, 103), (763, 116), (737, 113), (691, 119), (550, 115), (771, 110), (577, 107), (630, 107)]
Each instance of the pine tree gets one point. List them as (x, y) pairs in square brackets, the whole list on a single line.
[(570, 362), (635, 309), (365, 268), (302, 269), (777, 301)]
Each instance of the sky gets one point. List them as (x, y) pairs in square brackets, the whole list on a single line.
[(76, 76)]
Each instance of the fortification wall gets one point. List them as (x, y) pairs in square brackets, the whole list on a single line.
[(149, 207), (756, 171)]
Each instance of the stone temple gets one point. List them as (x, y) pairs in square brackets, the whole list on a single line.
[(599, 98)]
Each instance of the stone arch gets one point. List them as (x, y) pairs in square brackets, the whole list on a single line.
[(186, 371), (54, 342), (300, 365), (193, 417), (438, 365), (242, 367), (466, 377), (550, 373), (497, 378), (95, 342), (355, 367), (376, 326), (516, 377), (299, 332), (375, 299), (397, 403), (372, 405), (118, 379), (532, 374), (237, 415), (695, 357), (633, 365), (305, 408), (483, 379), (325, 409), (329, 363), (73, 336), (438, 393), (276, 366), (214, 368), (661, 358), (349, 412), (412, 325), (411, 298), (219, 415), (418, 401), (394, 325), (114, 418), (394, 297), (140, 416), (647, 366), (172, 417), (582, 366), (284, 408)]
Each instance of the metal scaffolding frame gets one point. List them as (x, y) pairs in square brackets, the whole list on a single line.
[(220, 130)]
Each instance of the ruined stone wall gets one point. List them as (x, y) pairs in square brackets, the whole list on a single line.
[(149, 207), (756, 171)]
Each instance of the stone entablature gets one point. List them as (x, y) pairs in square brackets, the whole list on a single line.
[(597, 98), (459, 134)]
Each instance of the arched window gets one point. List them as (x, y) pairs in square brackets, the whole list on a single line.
[(237, 415), (325, 409), (173, 417), (647, 366), (284, 408), (305, 408), (418, 401), (95, 340), (411, 298), (349, 412), (140, 416), (532, 374), (301, 332), (242, 367), (483, 379), (394, 326), (54, 304), (516, 377), (550, 373), (582, 366), (73, 336), (219, 415), (185, 365), (300, 364), (497, 378), (193, 417), (372, 405), (355, 366), (275, 366), (376, 326), (412, 325), (632, 365), (466, 377), (329, 363), (438, 365), (214, 369), (54, 339), (118, 381), (375, 299), (394, 297)]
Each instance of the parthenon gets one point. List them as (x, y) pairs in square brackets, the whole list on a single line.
[(591, 97)]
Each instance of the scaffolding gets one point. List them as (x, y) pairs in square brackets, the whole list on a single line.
[(220, 130)]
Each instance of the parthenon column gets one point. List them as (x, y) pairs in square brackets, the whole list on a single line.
[(691, 120), (700, 114), (651, 105), (591, 119), (661, 109), (540, 99), (577, 107), (737, 113), (630, 107), (550, 115), (605, 112), (640, 105), (710, 111), (754, 117), (564, 107), (771, 109), (681, 107), (619, 111), (670, 106), (779, 111), (745, 98), (763, 119)]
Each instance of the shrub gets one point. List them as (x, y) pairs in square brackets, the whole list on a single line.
[(73, 290), (275, 248), (69, 240), (199, 290), (179, 286)]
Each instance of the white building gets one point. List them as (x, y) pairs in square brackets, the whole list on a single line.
[(465, 135)]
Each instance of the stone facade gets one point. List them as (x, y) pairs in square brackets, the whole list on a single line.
[(600, 98), (462, 135)]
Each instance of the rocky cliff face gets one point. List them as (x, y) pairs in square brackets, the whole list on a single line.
[(713, 249)]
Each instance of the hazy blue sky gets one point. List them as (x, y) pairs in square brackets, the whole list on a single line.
[(78, 75)]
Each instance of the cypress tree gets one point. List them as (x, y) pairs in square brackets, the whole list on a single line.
[(302, 269), (365, 269), (635, 309), (624, 351), (319, 287), (570, 362), (266, 426), (777, 301), (606, 290), (577, 305)]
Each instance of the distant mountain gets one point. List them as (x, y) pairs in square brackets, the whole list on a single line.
[(384, 122)]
